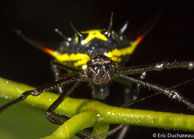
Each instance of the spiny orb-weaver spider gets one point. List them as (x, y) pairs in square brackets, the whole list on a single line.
[(97, 56)]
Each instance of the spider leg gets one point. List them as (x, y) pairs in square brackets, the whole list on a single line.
[(137, 89), (129, 95), (160, 66), (157, 93), (155, 67), (56, 104), (56, 67), (168, 92), (171, 93), (56, 71), (42, 89), (123, 132)]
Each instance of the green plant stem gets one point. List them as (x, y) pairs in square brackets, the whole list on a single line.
[(73, 125), (105, 114)]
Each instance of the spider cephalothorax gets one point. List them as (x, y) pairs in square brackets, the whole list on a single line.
[(100, 69)]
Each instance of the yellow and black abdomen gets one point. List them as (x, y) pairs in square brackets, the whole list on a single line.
[(77, 51)]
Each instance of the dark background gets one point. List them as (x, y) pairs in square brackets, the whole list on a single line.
[(171, 39)]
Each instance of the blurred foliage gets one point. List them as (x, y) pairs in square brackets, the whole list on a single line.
[(24, 122)]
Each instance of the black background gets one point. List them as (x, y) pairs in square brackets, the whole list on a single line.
[(171, 39)]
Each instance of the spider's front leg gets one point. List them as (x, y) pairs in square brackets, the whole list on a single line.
[(155, 67), (57, 102), (44, 88), (168, 92)]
